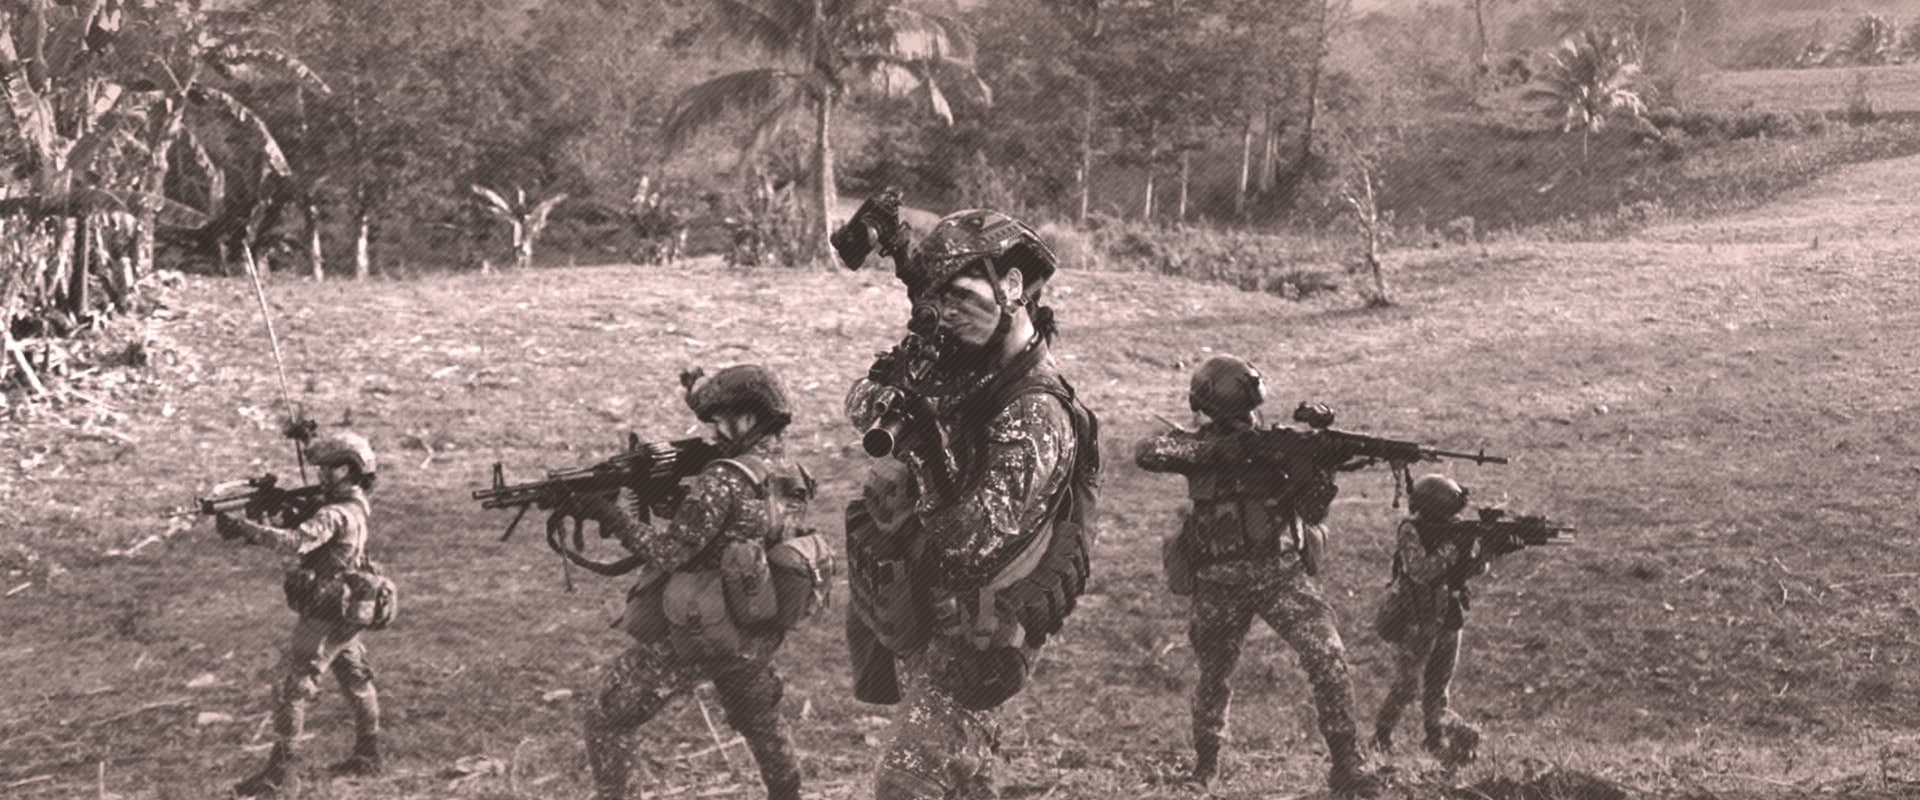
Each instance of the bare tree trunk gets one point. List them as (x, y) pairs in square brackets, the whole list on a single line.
[(1086, 151), (821, 249), (1185, 172), (362, 256), (83, 264), (1482, 52), (52, 283), (1269, 149), (1246, 168), (522, 246), (1146, 208), (1373, 244), (314, 260)]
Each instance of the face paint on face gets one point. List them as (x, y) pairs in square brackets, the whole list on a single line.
[(732, 427), (968, 313)]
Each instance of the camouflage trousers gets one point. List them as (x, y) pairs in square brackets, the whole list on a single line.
[(1423, 664), (639, 684), (318, 647), (1289, 601), (940, 749)]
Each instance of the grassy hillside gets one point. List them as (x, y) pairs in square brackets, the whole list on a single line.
[(1721, 407)]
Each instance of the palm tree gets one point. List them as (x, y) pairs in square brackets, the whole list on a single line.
[(1588, 78), (821, 50)]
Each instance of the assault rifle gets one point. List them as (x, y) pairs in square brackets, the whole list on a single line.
[(1496, 533), (652, 471), (262, 498)]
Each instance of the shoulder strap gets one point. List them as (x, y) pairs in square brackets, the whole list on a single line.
[(741, 465)]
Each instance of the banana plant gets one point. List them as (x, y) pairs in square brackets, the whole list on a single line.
[(527, 219)]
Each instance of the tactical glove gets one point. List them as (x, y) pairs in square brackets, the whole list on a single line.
[(229, 528)]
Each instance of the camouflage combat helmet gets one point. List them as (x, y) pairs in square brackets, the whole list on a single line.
[(1226, 386), (344, 447), (1436, 496), (964, 237), (745, 387)]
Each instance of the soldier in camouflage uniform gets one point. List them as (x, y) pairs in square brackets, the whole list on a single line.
[(1434, 577), (991, 489), (332, 539), (748, 409), (1243, 540)]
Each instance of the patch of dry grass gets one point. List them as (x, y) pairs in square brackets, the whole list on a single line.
[(1718, 406)]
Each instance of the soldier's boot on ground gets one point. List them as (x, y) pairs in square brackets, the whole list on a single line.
[(1350, 776), (1206, 760), (366, 759), (1452, 740), (279, 778)]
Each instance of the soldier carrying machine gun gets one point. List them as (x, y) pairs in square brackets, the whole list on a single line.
[(652, 471)]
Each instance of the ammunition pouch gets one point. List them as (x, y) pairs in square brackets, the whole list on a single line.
[(698, 623), (802, 570), (1395, 616), (364, 597), (747, 583), (1177, 564), (981, 680), (645, 617), (1222, 529)]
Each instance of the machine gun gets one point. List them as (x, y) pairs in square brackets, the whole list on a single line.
[(1324, 449), (652, 471)]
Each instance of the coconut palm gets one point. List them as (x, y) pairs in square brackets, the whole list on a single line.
[(820, 51), (1587, 79)]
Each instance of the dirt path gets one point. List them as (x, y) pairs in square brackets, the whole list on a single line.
[(1719, 407)]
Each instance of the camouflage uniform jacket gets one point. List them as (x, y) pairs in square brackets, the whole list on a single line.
[(1010, 479), (722, 505), (1426, 570), (340, 526), (1216, 451)]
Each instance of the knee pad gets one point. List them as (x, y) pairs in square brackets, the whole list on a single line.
[(297, 686), (352, 673), (750, 700), (618, 710)]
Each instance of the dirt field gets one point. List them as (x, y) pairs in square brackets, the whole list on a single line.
[(1895, 90), (1718, 406)]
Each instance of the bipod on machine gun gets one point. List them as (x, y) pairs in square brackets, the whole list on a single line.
[(651, 471)]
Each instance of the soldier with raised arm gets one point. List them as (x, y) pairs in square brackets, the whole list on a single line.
[(1247, 549), (969, 545)]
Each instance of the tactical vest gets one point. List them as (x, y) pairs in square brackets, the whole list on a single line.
[(770, 579), (1237, 515), (892, 611), (336, 582)]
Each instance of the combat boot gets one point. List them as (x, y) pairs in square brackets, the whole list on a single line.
[(1206, 760), (366, 760), (1453, 742), (279, 778), (1350, 776)]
